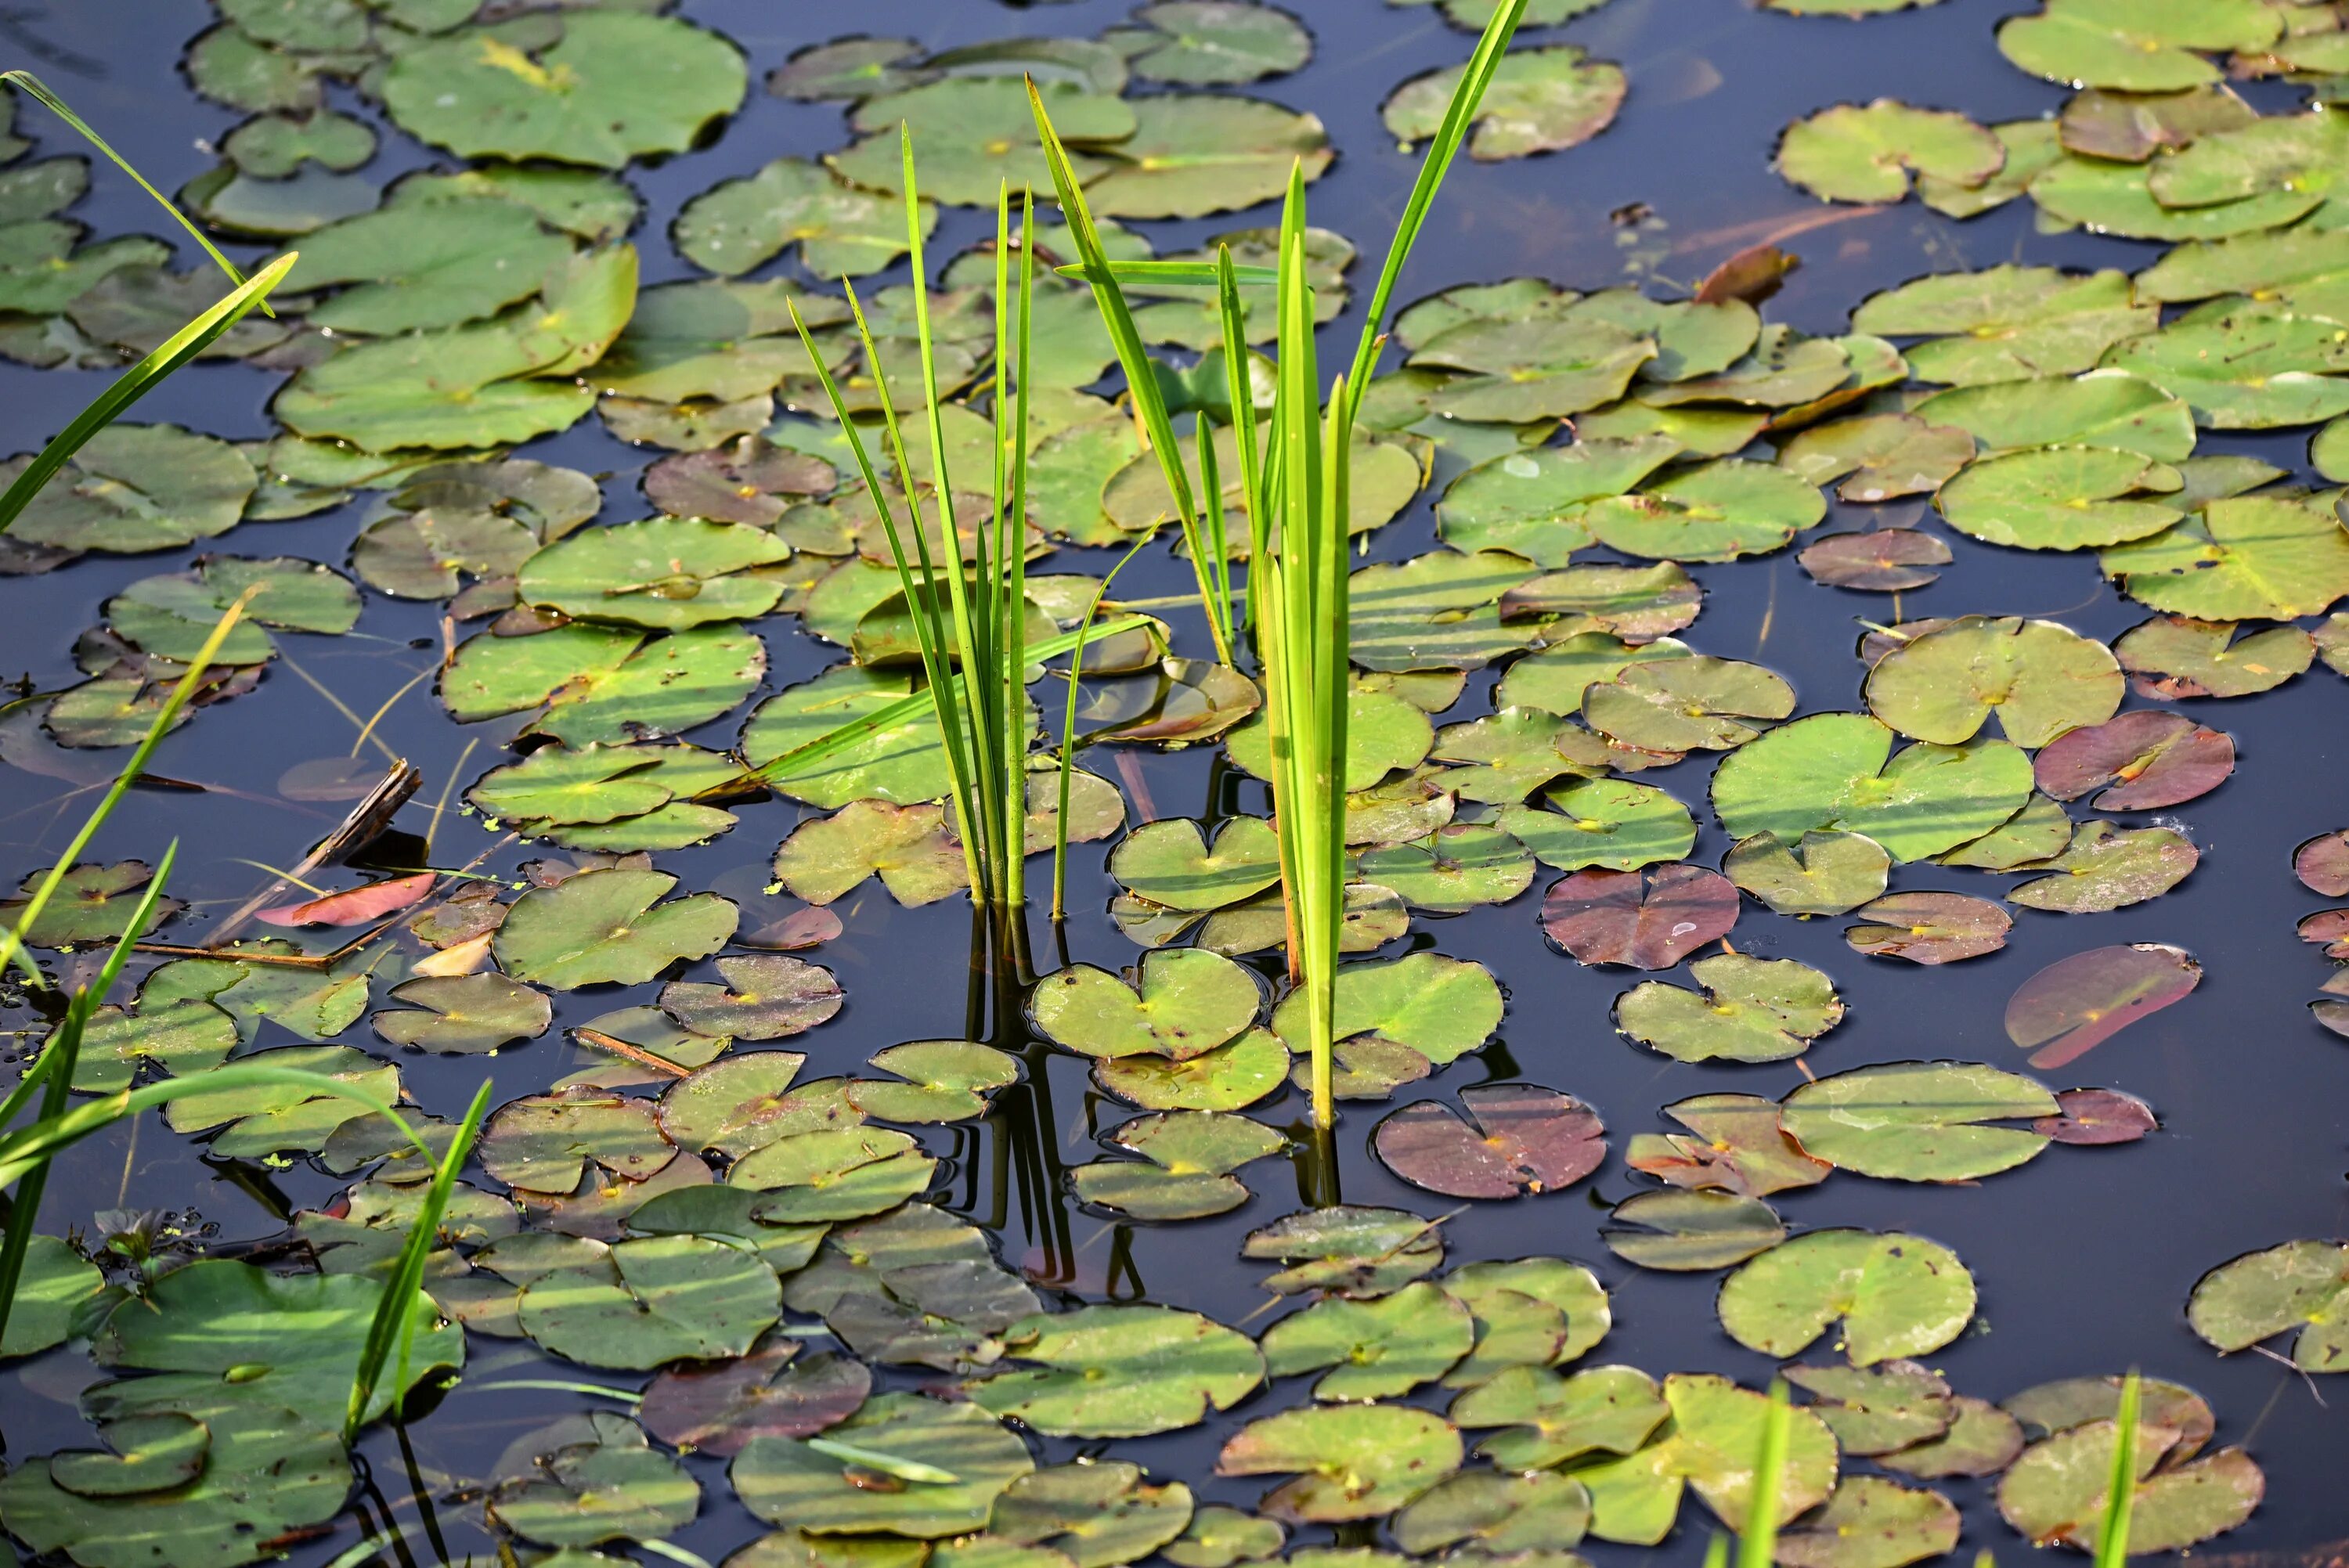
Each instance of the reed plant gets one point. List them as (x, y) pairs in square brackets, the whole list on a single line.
[(1294, 480), (2120, 1487)]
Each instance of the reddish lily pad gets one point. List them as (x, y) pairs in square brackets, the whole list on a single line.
[(1884, 561), (1929, 927), (2322, 863), (2148, 758), (2098, 1116), (1647, 921), (1733, 1144), (1517, 1140), (2076, 1004), (719, 1407)]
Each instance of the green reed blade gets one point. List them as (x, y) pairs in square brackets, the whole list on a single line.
[(1141, 381), (1068, 723), (1211, 486), (137, 382), (2120, 1487), (12, 940), (1240, 388), (62, 1054), (395, 1314), (1465, 98), (1172, 274), (1011, 705), (1758, 1543), (887, 1464), (38, 90)]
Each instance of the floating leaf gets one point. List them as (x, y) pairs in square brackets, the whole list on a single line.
[(2057, 1490), (1538, 100), (1822, 873), (2255, 1297), (92, 903), (943, 1080), (1715, 1431), (136, 487), (1529, 1312), (738, 225), (546, 1142), (1456, 867), (1356, 1251), (1606, 822), (1379, 1349), (1184, 1173), (1850, 153), (2092, 1117), (1192, 154), (1895, 1294), (1983, 1439), (2076, 1004), (665, 573), (765, 997), (1751, 1010), (1354, 1461), (608, 927), (2240, 558), (605, 684), (2102, 408), (1119, 1371), (1919, 1121), (1496, 1513), (1169, 862), (1552, 1418), (2109, 868), (1095, 1515), (2133, 48), (1871, 1522), (1691, 1231), (1215, 43), (1516, 1140), (1528, 502), (1878, 1410), (2040, 678), (2008, 323), (1737, 1146), (1188, 1003), (466, 1015), (1687, 705), (2140, 760), (1886, 561), (785, 1478), (1229, 1078), (1647, 921), (1718, 512), (2173, 657), (1839, 770), (719, 1408), (2062, 498)]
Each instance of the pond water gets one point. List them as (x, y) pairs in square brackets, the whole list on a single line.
[(2084, 1258)]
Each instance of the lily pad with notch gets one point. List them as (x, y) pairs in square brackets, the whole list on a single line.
[(853, 1479), (2140, 761), (1119, 1371), (2172, 657), (1646, 921), (1751, 1010), (1864, 153), (1514, 1140), (1185, 1168), (1839, 770), (1376, 1349), (1350, 1461), (1691, 1231), (1820, 874), (1539, 100), (465, 1014), (2109, 868), (1920, 1121), (1895, 1296), (1734, 1144)]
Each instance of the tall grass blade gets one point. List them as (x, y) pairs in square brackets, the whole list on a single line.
[(12, 945), (1069, 726), (1141, 381), (2120, 1494), (137, 382), (39, 92), (395, 1315), (59, 1058), (1759, 1539)]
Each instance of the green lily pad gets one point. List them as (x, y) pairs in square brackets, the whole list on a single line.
[(546, 1142), (1528, 502), (93, 903), (1352, 1461), (1838, 771), (1220, 1537), (1851, 153), (1378, 1349), (1895, 1296), (841, 232), (1609, 822), (1733, 1144), (1717, 512), (1982, 1440), (1456, 867), (1519, 371), (1751, 1010), (2115, 198), (136, 487), (607, 87), (608, 927), (1820, 874), (1232, 1077), (2007, 323), (1871, 1522), (2250, 556), (1119, 1371), (1565, 1299), (261, 1119), (2057, 1490), (1348, 1249), (1919, 1121), (1879, 457), (1170, 862), (1383, 733), (901, 763), (665, 573), (1637, 604), (2173, 657), (1501, 759), (2040, 830), (1551, 1418), (1495, 1512), (766, 996), (1093, 1515), (465, 1014), (2133, 48), (1691, 1231), (1688, 704), (971, 133), (824, 1494), (1880, 1410), (1215, 43), (2102, 408), (1188, 1001), (2061, 498), (2041, 679), (611, 1486), (1555, 679), (1539, 100), (651, 1300), (55, 1283), (1185, 1170), (1440, 1007), (2254, 369), (1516, 1140), (941, 1081), (834, 1173), (2107, 868), (2297, 1285), (427, 264), (1715, 1431)]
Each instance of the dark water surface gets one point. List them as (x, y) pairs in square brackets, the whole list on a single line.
[(2085, 1258)]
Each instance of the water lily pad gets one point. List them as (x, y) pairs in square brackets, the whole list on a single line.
[(1919, 1121), (2136, 48), (2061, 498), (1691, 1231), (426, 264), (1516, 1140), (2297, 1286), (1195, 154), (1879, 1410), (1751, 1010), (1820, 874), (1529, 1312), (841, 232), (1555, 679), (610, 1486), (2076, 1004), (1496, 1513), (1733, 1144), (608, 88), (1094, 1515), (1529, 502), (1983, 1439), (2008, 323), (1612, 823), (1119, 1371), (1644, 920), (1185, 1170), (608, 927), (2101, 408), (1895, 1296), (1348, 1249), (1879, 457), (92, 903), (941, 1081), (2241, 558), (901, 763), (1169, 862), (1378, 1349), (1715, 1431), (1188, 1003), (2109, 868), (1383, 733), (2140, 760), (1717, 512), (2057, 1489), (2093, 1117), (834, 1173), (465, 1014), (1353, 1461), (665, 573), (1838, 771), (651, 1300), (1550, 1417), (784, 1479), (546, 1142), (1855, 153), (1215, 43), (136, 487), (2040, 678), (2175, 657), (1515, 372), (1871, 1522), (1539, 100), (1638, 604), (1230, 1078), (2256, 368), (55, 1282), (260, 1119), (1221, 1537), (1440, 1007), (1687, 705), (1456, 867)]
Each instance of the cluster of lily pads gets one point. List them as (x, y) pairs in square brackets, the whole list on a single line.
[(702, 1202)]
